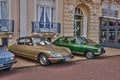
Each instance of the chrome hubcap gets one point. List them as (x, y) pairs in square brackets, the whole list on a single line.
[(90, 55), (43, 60)]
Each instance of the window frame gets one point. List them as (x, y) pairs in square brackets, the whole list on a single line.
[(110, 9)]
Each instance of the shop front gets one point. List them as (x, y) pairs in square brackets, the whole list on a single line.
[(110, 32)]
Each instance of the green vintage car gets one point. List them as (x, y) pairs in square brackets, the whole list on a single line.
[(80, 45)]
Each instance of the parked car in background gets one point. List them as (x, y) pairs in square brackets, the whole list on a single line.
[(7, 59), (80, 45), (40, 49)]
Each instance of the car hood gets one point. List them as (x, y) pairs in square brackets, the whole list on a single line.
[(64, 51), (4, 53)]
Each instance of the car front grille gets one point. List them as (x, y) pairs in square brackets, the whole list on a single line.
[(8, 64), (102, 50)]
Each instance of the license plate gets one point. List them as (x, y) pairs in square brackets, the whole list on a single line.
[(1, 65)]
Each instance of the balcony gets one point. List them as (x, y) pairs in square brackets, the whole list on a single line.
[(38, 27), (6, 26)]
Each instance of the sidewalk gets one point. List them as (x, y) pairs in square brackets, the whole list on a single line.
[(22, 62)]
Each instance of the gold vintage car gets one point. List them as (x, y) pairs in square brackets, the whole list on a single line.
[(40, 49)]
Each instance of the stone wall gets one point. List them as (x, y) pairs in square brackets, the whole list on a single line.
[(68, 18), (93, 18)]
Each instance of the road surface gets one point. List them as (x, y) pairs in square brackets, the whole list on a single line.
[(107, 68)]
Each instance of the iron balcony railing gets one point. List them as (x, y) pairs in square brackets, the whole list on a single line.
[(48, 27), (6, 25)]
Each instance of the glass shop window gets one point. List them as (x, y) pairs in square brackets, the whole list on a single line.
[(104, 22), (119, 23), (0, 41), (112, 22), (118, 36), (104, 36), (112, 36)]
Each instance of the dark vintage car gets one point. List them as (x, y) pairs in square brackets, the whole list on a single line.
[(80, 45), (7, 59), (40, 49)]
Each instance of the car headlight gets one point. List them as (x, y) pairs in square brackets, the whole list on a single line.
[(55, 54), (99, 50), (10, 58)]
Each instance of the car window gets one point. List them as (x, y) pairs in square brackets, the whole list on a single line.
[(28, 42), (21, 41), (66, 40), (41, 41), (60, 39), (81, 40), (73, 41)]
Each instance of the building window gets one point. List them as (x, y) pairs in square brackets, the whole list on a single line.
[(105, 8), (78, 11), (3, 9), (46, 14), (45, 11), (109, 9), (113, 10)]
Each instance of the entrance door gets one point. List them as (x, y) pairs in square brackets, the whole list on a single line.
[(78, 18), (112, 36), (5, 42), (77, 28)]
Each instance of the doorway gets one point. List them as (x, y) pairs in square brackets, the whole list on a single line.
[(78, 20), (4, 42), (78, 28)]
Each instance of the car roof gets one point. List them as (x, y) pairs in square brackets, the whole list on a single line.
[(70, 36)]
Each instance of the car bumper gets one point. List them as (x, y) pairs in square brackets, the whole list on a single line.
[(64, 58), (6, 65), (101, 52)]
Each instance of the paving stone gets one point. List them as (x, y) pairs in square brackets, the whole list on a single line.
[(22, 62)]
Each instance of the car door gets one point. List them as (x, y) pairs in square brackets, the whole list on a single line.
[(29, 49), (74, 45), (65, 41), (79, 46), (19, 47)]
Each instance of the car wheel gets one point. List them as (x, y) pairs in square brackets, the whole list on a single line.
[(43, 60), (89, 55)]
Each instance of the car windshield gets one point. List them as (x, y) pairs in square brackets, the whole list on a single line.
[(82, 40), (41, 41)]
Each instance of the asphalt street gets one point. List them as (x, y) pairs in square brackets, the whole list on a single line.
[(103, 68)]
